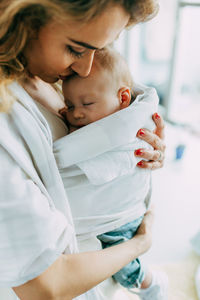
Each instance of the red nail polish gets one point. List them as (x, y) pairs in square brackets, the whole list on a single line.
[(138, 152), (141, 132), (140, 163), (157, 116)]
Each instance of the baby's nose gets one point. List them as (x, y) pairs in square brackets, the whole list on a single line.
[(78, 114)]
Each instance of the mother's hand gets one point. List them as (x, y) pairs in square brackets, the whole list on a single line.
[(154, 158), (144, 232)]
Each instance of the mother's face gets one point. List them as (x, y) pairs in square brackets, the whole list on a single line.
[(61, 49)]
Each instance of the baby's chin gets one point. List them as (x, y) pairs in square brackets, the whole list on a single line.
[(77, 126), (80, 124)]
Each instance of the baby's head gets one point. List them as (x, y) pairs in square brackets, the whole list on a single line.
[(106, 90)]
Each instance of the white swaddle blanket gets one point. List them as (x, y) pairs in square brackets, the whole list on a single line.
[(104, 187)]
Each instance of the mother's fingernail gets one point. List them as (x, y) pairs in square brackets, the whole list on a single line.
[(157, 116), (140, 163), (141, 132), (138, 152)]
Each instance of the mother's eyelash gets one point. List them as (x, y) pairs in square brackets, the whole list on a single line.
[(73, 52)]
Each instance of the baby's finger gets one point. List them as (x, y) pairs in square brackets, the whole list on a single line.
[(63, 111)]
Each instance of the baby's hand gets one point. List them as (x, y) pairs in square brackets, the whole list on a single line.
[(63, 115), (63, 112)]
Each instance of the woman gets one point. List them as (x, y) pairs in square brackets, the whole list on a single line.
[(42, 41)]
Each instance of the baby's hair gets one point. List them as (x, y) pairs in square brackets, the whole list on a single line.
[(109, 59)]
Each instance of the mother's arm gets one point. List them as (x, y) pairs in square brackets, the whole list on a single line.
[(72, 275), (154, 159)]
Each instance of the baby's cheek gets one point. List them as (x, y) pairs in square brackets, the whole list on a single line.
[(97, 116)]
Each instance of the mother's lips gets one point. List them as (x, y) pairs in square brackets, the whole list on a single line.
[(63, 77)]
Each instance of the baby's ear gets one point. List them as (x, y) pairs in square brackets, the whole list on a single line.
[(124, 95)]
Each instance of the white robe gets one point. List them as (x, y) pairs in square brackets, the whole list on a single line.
[(36, 226), (104, 187)]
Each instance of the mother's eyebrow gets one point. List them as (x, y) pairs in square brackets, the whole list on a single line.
[(86, 45)]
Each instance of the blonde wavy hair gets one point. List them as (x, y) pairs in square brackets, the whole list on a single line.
[(21, 19)]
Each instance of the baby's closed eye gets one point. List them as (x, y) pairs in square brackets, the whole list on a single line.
[(87, 104)]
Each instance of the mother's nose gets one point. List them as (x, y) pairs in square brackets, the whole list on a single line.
[(84, 64)]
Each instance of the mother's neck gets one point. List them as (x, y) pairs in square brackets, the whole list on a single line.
[(44, 93)]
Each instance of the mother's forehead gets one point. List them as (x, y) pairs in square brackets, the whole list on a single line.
[(97, 33)]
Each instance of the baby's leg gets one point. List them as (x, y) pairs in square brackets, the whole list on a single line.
[(132, 274)]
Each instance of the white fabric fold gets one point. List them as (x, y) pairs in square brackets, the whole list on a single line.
[(110, 165)]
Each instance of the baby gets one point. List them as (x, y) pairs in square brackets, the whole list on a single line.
[(98, 95), (103, 94)]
